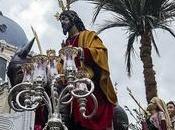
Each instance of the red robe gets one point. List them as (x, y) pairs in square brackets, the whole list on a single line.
[(40, 118), (103, 117)]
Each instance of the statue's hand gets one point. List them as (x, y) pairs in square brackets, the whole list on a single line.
[(80, 49), (80, 52), (60, 80)]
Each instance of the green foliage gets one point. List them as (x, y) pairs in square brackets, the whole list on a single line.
[(137, 16)]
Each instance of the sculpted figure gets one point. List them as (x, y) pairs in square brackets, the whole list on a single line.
[(95, 62), (94, 59)]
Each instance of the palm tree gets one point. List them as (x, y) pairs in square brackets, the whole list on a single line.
[(140, 18)]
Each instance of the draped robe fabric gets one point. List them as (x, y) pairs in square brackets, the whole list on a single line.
[(96, 63), (90, 41)]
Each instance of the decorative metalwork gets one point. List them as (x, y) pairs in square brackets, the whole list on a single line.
[(29, 94), (17, 121), (7, 124), (78, 88)]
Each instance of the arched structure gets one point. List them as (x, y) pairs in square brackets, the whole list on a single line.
[(12, 37)]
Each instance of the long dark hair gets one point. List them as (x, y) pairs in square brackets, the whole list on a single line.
[(74, 18)]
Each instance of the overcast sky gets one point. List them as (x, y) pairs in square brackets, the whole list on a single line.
[(40, 14)]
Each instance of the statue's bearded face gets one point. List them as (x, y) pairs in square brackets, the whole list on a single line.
[(66, 24)]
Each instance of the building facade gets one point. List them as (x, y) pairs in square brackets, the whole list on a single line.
[(12, 37)]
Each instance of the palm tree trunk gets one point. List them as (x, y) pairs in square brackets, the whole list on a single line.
[(149, 73)]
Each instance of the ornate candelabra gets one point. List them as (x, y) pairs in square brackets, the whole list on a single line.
[(77, 86), (42, 73)]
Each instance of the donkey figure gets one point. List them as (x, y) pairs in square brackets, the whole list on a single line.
[(14, 70), (15, 74)]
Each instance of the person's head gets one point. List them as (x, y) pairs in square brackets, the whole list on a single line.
[(70, 19), (159, 103), (161, 106), (14, 69), (171, 108), (152, 108), (155, 105)]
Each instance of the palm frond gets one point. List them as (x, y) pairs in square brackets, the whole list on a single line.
[(111, 24), (97, 11), (137, 16), (129, 51), (142, 5), (154, 44), (167, 29), (168, 10), (71, 1)]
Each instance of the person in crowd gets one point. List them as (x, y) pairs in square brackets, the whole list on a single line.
[(159, 118), (171, 110)]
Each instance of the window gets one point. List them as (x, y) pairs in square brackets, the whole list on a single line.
[(3, 63)]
